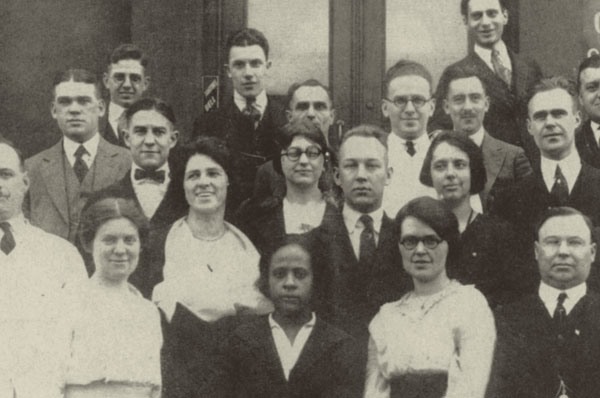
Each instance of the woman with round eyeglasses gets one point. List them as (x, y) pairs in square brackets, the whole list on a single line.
[(489, 257), (437, 340), (303, 158)]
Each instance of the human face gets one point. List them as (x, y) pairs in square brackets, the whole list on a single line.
[(205, 185), (552, 122), (303, 172), (290, 280), (150, 137), (363, 173), (589, 92), (13, 183), (467, 104), (126, 81), (312, 103), (116, 250), (247, 69), (77, 109), (422, 264), (450, 173), (564, 251), (485, 20), (411, 122)]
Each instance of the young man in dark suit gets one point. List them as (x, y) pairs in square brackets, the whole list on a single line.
[(249, 122), (549, 343), (587, 138), (507, 75), (150, 135)]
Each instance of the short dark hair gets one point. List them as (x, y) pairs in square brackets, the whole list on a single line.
[(307, 83), (465, 144), (105, 208), (368, 131), (11, 145), (460, 72), (434, 214), (147, 104), (464, 6), (304, 129), (406, 67), (593, 61), (128, 51), (563, 211), (552, 83), (78, 76), (247, 37)]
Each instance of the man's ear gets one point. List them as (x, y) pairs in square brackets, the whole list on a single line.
[(227, 70), (105, 78), (336, 176), (288, 115), (147, 81), (174, 138), (446, 107), (268, 64)]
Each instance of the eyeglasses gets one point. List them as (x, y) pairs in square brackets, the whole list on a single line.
[(403, 100), (294, 153), (429, 241)]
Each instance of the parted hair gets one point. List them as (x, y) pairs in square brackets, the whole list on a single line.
[(563, 211), (405, 67), (128, 51), (146, 104), (78, 76), (368, 131), (464, 6), (307, 83), (552, 83), (247, 37)]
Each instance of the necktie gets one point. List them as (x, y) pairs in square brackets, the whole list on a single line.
[(154, 175), (560, 313), (7, 243), (80, 167), (410, 147), (560, 189), (367, 240), (251, 111), (500, 69)]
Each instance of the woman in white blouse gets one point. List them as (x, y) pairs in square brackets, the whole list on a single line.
[(116, 337), (437, 340)]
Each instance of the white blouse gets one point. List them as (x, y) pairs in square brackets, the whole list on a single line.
[(451, 331), (300, 219)]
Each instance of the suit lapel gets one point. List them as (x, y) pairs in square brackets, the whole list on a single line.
[(260, 340), (520, 74), (493, 158), (105, 164), (497, 89), (54, 178)]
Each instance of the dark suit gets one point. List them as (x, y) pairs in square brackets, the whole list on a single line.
[(249, 365), (250, 147), (152, 257), (530, 355), (506, 116), (55, 195), (587, 146), (109, 135)]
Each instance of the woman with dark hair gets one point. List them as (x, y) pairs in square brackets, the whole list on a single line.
[(116, 335), (437, 340), (291, 352), (303, 159), (489, 256)]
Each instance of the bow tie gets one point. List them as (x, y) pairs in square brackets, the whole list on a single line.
[(154, 175)]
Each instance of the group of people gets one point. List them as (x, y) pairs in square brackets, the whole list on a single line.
[(271, 255)]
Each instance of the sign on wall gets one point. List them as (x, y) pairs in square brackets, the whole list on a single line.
[(210, 89)]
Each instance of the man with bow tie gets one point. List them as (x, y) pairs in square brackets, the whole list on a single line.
[(150, 136)]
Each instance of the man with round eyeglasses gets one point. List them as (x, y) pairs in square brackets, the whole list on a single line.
[(407, 104)]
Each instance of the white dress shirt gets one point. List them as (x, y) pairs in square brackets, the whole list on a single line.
[(596, 130), (290, 352), (355, 226), (570, 167), (149, 192), (404, 184), (114, 114), (486, 55), (549, 296), (91, 145), (260, 103)]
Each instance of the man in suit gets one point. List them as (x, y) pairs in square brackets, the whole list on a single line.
[(248, 122), (150, 136), (549, 343), (126, 80), (407, 104), (467, 103), (507, 75), (587, 138), (559, 178), (64, 176), (359, 245)]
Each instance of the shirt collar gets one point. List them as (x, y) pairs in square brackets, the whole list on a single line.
[(549, 295), (351, 217), (18, 224), (90, 145), (486, 53), (164, 167), (420, 142), (115, 111), (570, 167), (260, 104), (311, 323), (595, 126), (477, 138)]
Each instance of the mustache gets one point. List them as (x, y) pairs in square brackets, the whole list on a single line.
[(468, 114)]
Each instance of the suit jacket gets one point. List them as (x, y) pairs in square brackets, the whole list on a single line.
[(504, 164), (249, 365), (587, 146), (250, 147), (506, 116), (530, 355), (152, 257), (109, 135), (52, 205)]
